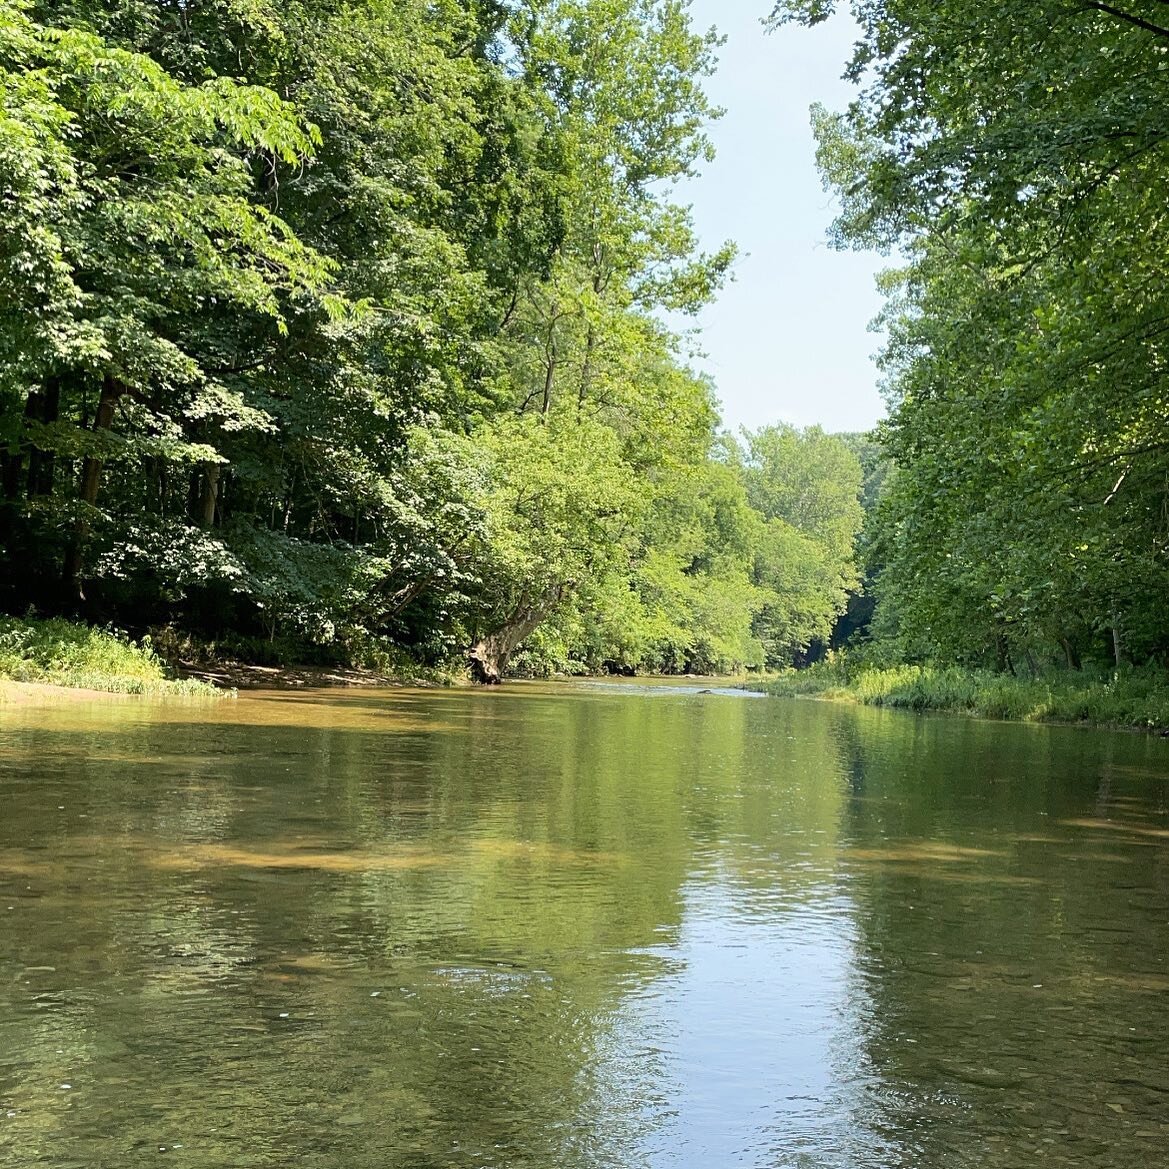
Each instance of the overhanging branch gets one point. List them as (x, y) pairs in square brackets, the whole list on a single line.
[(1128, 17)]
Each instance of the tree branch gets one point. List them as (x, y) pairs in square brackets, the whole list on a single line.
[(1120, 14), (1116, 487)]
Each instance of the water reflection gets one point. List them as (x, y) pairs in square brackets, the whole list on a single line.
[(580, 926), (1008, 1025), (754, 1035)]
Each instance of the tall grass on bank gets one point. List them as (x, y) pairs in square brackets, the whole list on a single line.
[(61, 653), (1127, 698)]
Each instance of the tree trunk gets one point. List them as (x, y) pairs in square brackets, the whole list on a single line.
[(209, 495), (489, 655), (42, 463), (111, 392), (1069, 652), (12, 464), (586, 373), (1032, 664), (549, 375), (1002, 653), (550, 359)]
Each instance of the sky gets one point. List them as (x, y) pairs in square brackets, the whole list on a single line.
[(788, 340)]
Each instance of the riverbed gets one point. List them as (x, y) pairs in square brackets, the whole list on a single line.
[(577, 925)]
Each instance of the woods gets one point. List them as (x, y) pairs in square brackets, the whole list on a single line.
[(1015, 157), (353, 350), (337, 332), (347, 334)]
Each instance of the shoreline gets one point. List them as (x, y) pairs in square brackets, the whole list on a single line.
[(225, 679), (1134, 702), (14, 693), (242, 676)]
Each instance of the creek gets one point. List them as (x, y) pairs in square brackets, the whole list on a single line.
[(577, 925)]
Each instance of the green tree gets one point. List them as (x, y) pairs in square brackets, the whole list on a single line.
[(326, 327), (134, 239), (560, 507), (1008, 150), (805, 486)]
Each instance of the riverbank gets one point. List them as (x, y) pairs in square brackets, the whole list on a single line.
[(1130, 699), (246, 676), (39, 656)]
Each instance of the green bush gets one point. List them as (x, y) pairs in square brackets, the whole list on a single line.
[(1128, 698), (63, 653)]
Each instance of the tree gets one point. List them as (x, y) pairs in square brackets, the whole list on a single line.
[(1009, 150), (560, 508), (134, 242), (806, 488), (326, 328)]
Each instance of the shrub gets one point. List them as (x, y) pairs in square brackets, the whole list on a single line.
[(1130, 698), (63, 653)]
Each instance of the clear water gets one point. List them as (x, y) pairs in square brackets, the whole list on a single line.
[(577, 926)]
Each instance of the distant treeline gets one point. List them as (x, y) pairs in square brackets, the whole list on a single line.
[(1016, 155), (336, 330)]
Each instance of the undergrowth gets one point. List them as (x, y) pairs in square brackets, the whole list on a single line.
[(1126, 698), (61, 653)]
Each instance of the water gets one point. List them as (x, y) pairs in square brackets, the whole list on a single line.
[(577, 926)]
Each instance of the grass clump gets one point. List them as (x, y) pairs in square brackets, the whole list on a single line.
[(57, 652), (1125, 698)]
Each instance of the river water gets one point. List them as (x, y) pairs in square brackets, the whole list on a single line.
[(577, 926)]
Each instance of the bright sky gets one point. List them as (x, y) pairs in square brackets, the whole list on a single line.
[(788, 341)]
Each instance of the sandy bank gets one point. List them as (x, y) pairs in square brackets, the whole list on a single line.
[(240, 676), (19, 693)]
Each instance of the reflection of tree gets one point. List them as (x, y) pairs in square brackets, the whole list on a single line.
[(415, 931), (448, 918), (1012, 961)]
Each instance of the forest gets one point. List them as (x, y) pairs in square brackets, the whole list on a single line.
[(351, 334), (1013, 161), (337, 332)]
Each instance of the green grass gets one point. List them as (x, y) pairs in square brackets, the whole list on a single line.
[(1128, 698), (61, 653)]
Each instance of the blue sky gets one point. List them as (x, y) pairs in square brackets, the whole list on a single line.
[(788, 340)]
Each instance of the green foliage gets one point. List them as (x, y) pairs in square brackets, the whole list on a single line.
[(1128, 698), (687, 601), (330, 328), (1015, 154), (67, 654), (138, 216), (806, 488)]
